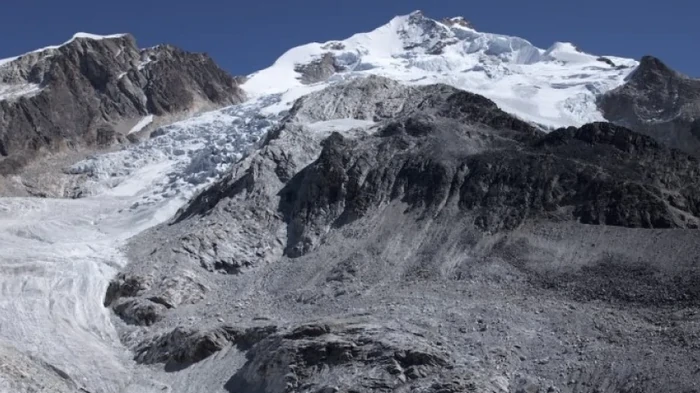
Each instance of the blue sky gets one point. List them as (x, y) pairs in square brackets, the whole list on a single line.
[(244, 36)]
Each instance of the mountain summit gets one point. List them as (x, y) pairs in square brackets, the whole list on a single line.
[(391, 212), (551, 87)]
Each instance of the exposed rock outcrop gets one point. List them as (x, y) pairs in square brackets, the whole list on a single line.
[(350, 356), (319, 70), (143, 301), (182, 347), (462, 152), (445, 247), (92, 91), (659, 102), (459, 21)]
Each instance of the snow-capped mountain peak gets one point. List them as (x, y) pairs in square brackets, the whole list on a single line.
[(550, 87)]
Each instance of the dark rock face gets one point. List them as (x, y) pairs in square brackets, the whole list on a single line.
[(319, 70), (90, 91), (139, 311), (139, 300), (182, 347), (606, 61), (435, 35), (658, 102), (598, 174), (125, 286), (178, 79), (459, 21), (369, 359)]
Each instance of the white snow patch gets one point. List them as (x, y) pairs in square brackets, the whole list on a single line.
[(568, 53), (94, 36), (13, 91), (144, 63), (143, 123), (339, 125), (286, 100)]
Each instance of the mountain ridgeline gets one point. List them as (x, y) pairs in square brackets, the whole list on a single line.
[(421, 208), (659, 102), (436, 195), (92, 90)]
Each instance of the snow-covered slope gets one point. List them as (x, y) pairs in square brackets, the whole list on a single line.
[(554, 87)]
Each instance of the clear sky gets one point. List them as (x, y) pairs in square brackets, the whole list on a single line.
[(244, 36)]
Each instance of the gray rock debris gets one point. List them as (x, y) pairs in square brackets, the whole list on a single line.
[(140, 300), (20, 373), (372, 98), (450, 248), (139, 311)]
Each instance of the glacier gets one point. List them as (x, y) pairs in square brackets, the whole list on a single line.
[(58, 255)]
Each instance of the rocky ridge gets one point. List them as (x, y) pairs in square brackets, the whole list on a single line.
[(382, 236), (92, 91), (377, 256), (659, 102)]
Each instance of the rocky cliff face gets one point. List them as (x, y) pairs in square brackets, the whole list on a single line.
[(659, 102), (92, 91), (432, 243), (458, 149)]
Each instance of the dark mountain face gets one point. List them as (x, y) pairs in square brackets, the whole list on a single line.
[(444, 151), (90, 92), (453, 222), (658, 102), (599, 174)]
